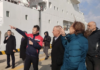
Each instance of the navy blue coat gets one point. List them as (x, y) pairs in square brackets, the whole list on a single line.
[(76, 47)]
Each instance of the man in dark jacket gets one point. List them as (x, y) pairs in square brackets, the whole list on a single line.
[(46, 41), (93, 56), (34, 44), (23, 48), (57, 53), (10, 48)]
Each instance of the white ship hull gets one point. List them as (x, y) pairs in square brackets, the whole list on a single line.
[(59, 12)]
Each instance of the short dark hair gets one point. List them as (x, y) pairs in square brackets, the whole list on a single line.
[(37, 26), (25, 31), (9, 30)]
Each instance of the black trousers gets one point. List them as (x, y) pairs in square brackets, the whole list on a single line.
[(55, 67), (13, 59), (93, 63), (30, 59)]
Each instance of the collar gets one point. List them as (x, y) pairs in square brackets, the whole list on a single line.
[(9, 36), (73, 36), (57, 37), (95, 30), (36, 34)]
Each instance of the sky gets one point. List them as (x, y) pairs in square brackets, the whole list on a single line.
[(91, 10)]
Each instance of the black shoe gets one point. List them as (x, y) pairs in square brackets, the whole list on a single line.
[(46, 58), (7, 67), (13, 67), (50, 65)]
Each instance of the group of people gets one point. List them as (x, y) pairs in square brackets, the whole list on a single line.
[(77, 50)]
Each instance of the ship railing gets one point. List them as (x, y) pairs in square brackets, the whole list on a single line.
[(1, 0), (18, 3), (81, 12)]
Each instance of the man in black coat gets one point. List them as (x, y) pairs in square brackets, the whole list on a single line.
[(10, 48), (46, 41), (23, 48), (93, 55), (57, 53)]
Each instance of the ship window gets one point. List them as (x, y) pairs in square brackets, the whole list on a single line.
[(0, 37), (62, 11), (49, 21), (68, 1), (67, 12), (50, 5), (7, 13), (26, 17), (57, 22), (66, 25), (57, 8), (54, 7)]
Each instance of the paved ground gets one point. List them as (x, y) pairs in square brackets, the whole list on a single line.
[(43, 64)]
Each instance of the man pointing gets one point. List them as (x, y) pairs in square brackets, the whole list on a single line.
[(34, 44)]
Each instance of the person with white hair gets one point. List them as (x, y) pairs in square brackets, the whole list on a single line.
[(57, 49)]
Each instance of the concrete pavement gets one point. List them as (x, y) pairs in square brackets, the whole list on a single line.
[(43, 64)]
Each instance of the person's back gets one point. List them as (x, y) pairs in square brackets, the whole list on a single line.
[(23, 46), (76, 50), (84, 48), (76, 47)]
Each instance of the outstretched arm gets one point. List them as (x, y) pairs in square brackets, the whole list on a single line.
[(19, 31)]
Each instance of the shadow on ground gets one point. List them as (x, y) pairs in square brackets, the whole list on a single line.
[(43, 67), (18, 62), (1, 61)]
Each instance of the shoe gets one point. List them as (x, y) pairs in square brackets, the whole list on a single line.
[(46, 58), (13, 67), (7, 67)]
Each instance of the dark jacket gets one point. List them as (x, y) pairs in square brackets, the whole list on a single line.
[(32, 50), (10, 44), (23, 48), (76, 47), (93, 39), (47, 40), (57, 54)]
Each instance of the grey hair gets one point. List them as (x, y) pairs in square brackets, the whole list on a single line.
[(58, 27)]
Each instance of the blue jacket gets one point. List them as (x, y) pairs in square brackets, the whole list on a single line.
[(76, 47)]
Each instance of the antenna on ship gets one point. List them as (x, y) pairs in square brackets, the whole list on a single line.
[(74, 18)]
